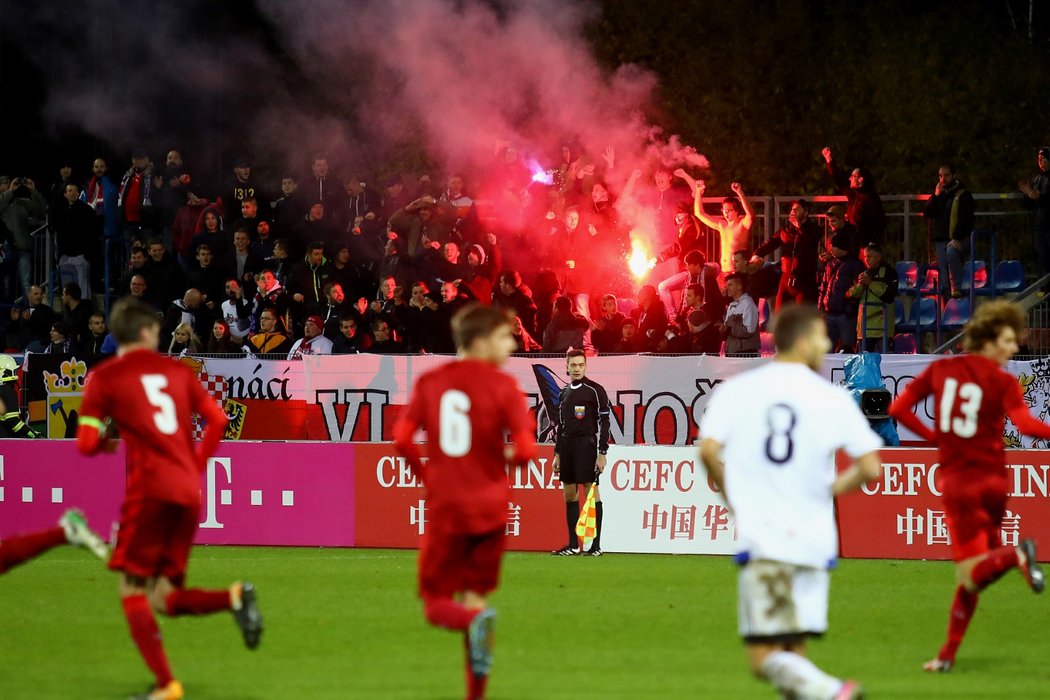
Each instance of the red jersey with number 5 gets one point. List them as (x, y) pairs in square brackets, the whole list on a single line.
[(150, 399), (466, 407), (972, 396)]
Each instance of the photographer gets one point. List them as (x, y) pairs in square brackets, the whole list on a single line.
[(22, 209)]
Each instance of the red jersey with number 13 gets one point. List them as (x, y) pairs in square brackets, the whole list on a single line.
[(465, 407), (971, 397), (150, 399)]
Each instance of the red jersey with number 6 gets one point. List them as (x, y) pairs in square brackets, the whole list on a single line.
[(971, 397), (466, 407), (150, 399)]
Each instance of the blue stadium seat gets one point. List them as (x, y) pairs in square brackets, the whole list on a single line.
[(956, 313), (904, 344), (1009, 276), (923, 316), (907, 276), (898, 311), (977, 273)]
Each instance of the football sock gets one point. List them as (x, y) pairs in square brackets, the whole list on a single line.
[(475, 684), (993, 566), (572, 514), (196, 601), (597, 544), (20, 548), (147, 638), (963, 607), (796, 676), (447, 613)]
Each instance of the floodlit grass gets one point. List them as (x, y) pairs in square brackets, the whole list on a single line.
[(347, 624)]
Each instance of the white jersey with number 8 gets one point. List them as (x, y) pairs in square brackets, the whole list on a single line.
[(780, 426)]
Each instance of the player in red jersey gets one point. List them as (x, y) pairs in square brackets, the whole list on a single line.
[(972, 395), (150, 399), (465, 407)]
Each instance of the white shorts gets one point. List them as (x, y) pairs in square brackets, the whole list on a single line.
[(779, 601)]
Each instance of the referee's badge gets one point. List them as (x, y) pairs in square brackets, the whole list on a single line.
[(580, 411)]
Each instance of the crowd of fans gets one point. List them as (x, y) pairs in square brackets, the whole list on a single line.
[(327, 264)]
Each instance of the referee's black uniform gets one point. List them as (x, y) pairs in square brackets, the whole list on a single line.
[(583, 434), (583, 430)]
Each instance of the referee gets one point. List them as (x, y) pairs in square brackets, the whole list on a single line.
[(579, 450)]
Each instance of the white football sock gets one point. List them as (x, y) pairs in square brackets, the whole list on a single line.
[(797, 676)]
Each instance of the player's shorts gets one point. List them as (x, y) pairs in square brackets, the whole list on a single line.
[(974, 510), (154, 539), (782, 603), (451, 563), (576, 461)]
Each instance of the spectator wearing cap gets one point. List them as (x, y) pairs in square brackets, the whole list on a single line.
[(875, 290), (395, 197), (313, 341), (740, 325), (950, 212), (511, 294), (241, 187), (423, 222), (798, 241), (836, 216), (836, 306), (483, 266), (1037, 198), (863, 205), (139, 213)]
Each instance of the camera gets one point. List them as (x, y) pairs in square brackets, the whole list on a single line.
[(875, 403)]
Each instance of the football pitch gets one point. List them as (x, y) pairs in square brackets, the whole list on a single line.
[(347, 624)]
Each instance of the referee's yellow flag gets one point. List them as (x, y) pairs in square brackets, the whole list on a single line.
[(586, 526)]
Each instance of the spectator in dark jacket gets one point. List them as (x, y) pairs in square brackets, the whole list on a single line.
[(1037, 197), (950, 212), (864, 207), (76, 235), (31, 319), (606, 329), (836, 306), (306, 282), (798, 242), (511, 294), (566, 329), (650, 318), (164, 276)]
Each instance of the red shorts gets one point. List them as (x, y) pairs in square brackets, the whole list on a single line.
[(154, 539), (451, 563), (974, 510)]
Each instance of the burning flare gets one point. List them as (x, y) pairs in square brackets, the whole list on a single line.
[(640, 260)]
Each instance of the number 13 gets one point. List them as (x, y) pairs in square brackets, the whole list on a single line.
[(971, 394)]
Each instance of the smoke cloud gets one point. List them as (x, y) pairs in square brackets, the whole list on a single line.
[(357, 81)]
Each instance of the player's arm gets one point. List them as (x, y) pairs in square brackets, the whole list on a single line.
[(1018, 412), (711, 456), (603, 420), (522, 429), (865, 468), (404, 433), (93, 434), (903, 407)]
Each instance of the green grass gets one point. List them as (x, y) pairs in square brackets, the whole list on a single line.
[(347, 624)]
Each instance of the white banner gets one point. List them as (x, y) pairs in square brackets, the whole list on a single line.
[(655, 399)]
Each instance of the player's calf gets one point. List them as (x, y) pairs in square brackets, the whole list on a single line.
[(1033, 573)]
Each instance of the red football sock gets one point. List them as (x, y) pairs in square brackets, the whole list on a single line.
[(146, 634), (196, 601), (20, 548), (962, 610), (993, 566), (447, 613), (476, 685)]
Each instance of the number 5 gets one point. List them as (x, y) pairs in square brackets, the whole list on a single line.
[(165, 419)]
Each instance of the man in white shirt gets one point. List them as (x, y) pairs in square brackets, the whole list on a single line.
[(740, 328), (312, 342), (768, 439)]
